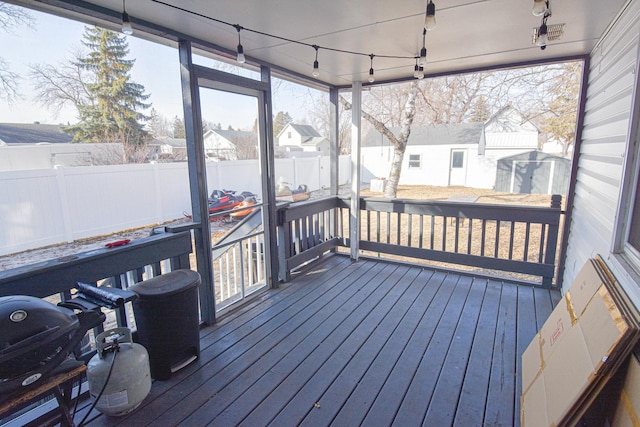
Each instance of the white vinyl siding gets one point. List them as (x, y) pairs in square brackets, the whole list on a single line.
[(605, 138)]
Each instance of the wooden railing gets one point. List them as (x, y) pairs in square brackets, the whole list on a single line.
[(238, 261), (118, 267), (518, 239), (306, 230)]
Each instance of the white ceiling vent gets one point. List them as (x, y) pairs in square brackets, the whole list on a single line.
[(554, 32)]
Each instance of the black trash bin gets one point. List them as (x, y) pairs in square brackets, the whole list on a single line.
[(167, 318)]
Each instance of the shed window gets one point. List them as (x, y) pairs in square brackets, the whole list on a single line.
[(457, 159), (415, 161)]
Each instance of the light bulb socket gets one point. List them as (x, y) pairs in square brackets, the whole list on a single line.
[(126, 24), (316, 69), (371, 76)]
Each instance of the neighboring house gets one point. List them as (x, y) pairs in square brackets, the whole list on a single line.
[(168, 148), (230, 144), (464, 154), (32, 133), (508, 130), (37, 146), (435, 155), (305, 138)]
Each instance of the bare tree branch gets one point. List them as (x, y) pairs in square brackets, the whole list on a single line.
[(11, 17), (59, 86)]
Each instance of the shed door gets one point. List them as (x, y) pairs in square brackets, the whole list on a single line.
[(458, 167), (532, 177)]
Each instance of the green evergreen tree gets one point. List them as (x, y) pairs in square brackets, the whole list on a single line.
[(178, 128), (480, 110), (280, 121), (113, 113)]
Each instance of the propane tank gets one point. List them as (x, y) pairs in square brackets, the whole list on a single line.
[(130, 380)]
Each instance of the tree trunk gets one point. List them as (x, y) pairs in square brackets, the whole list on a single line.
[(399, 142), (391, 187)]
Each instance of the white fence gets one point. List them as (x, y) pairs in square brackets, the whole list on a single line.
[(50, 206)]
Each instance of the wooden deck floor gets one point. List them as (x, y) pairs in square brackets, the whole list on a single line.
[(365, 343)]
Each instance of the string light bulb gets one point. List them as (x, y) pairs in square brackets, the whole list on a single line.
[(316, 70), (540, 7), (423, 52), (542, 35), (418, 71), (240, 58), (126, 23), (371, 75), (430, 17)]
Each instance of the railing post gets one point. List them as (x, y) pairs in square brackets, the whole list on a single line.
[(284, 245), (552, 240)]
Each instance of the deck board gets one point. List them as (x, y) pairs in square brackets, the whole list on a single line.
[(365, 343), (470, 409)]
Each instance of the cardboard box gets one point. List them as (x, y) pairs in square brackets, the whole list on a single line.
[(559, 323), (572, 354), (627, 412)]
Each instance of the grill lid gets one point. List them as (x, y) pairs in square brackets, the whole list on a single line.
[(32, 332)]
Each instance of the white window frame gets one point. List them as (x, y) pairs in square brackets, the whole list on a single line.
[(625, 258), (453, 152), (419, 160)]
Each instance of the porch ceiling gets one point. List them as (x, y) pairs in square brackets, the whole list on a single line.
[(470, 33)]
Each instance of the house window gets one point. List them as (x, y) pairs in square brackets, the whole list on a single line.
[(457, 159), (289, 135), (634, 232), (628, 230), (415, 161)]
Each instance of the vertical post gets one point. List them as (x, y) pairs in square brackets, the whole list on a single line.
[(284, 244), (157, 190), (334, 138), (334, 157), (552, 240), (267, 169), (356, 135), (61, 181), (197, 182)]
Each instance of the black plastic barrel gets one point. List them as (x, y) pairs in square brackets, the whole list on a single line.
[(167, 319)]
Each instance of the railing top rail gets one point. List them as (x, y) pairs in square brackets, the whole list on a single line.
[(61, 274), (291, 212), (536, 214)]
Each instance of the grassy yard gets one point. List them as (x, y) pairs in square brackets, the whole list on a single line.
[(428, 192)]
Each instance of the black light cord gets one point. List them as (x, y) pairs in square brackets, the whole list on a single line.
[(75, 406), (104, 387), (350, 52)]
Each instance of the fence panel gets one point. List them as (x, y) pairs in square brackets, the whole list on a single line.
[(50, 206), (31, 210)]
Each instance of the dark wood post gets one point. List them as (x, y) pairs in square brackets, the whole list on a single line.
[(552, 240)]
